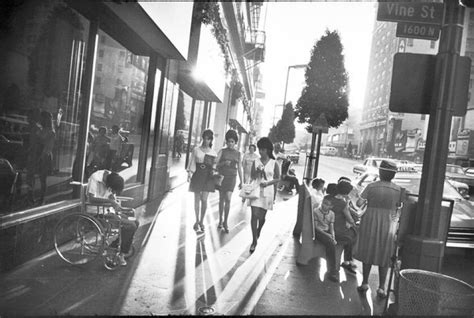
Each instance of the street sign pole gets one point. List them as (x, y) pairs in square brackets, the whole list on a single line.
[(425, 249)]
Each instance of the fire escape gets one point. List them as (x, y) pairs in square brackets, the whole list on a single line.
[(254, 38)]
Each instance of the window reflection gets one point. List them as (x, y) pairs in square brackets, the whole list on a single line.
[(42, 66), (117, 110), (179, 139)]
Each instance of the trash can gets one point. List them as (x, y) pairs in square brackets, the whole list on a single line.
[(429, 293)]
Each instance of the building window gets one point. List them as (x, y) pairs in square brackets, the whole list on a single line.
[(101, 53), (99, 67), (41, 105)]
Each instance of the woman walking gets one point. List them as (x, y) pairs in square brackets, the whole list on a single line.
[(229, 164), (200, 176), (247, 163), (376, 242), (267, 173), (47, 139)]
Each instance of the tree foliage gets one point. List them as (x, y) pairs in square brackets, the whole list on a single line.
[(273, 135), (286, 125), (326, 84)]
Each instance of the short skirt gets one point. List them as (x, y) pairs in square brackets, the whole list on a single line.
[(202, 180), (228, 184)]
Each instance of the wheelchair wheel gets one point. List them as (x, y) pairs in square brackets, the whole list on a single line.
[(78, 239), (111, 259)]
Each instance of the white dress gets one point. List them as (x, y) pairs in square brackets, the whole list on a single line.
[(265, 201)]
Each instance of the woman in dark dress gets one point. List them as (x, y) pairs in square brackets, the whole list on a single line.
[(229, 164), (200, 179)]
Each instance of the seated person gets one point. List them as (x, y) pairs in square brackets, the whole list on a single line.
[(317, 193), (323, 219), (103, 186), (288, 175)]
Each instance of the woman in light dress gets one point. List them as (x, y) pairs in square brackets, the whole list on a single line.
[(247, 163), (200, 176), (267, 173)]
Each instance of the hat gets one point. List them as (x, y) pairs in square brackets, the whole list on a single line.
[(388, 165)]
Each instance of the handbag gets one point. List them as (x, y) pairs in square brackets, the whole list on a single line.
[(217, 179), (250, 191)]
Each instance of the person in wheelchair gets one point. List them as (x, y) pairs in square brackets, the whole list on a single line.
[(102, 188), (288, 177)]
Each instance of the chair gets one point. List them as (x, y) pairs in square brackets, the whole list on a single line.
[(309, 247)]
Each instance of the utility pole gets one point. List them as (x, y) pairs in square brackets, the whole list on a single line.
[(425, 249)]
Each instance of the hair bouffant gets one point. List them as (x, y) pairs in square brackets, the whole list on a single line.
[(265, 143), (317, 183), (208, 134), (343, 188), (231, 134)]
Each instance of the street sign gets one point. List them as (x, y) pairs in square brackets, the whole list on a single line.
[(418, 30), (418, 12), (413, 78), (320, 123)]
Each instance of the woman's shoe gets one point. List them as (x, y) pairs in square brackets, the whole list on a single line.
[(381, 293), (252, 247), (196, 226), (363, 288), (226, 228), (201, 226), (219, 227)]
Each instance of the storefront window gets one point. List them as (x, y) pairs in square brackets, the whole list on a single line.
[(42, 64), (179, 140), (197, 123), (116, 123)]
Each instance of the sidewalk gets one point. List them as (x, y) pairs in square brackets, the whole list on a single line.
[(176, 272)]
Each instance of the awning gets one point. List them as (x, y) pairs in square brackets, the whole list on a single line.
[(234, 124), (137, 29)]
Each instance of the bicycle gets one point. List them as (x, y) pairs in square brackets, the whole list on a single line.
[(80, 237)]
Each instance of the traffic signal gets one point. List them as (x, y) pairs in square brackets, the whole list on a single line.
[(468, 3)]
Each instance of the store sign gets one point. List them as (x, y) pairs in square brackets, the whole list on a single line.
[(421, 145), (452, 146)]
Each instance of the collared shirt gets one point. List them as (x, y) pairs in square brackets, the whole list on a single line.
[(322, 220)]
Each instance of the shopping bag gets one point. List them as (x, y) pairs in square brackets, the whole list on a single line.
[(250, 191)]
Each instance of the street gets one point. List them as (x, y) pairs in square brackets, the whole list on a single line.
[(177, 272)]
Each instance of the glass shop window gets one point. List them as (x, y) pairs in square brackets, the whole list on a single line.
[(43, 59), (117, 111)]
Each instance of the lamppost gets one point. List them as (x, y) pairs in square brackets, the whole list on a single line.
[(287, 76)]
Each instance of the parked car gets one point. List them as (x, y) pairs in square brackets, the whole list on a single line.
[(372, 165), (461, 231), (328, 151), (457, 173), (292, 153), (469, 171)]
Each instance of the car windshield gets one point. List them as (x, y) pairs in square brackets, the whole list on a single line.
[(454, 169), (413, 186)]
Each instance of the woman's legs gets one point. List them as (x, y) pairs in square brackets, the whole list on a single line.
[(197, 200), (221, 206), (227, 197), (254, 226), (204, 196), (261, 220), (382, 276)]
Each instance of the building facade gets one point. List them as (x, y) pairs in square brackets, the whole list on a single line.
[(155, 71), (401, 135)]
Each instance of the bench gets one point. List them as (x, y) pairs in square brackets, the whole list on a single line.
[(310, 248)]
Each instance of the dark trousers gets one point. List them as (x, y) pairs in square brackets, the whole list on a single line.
[(293, 182), (128, 231), (326, 240), (347, 239)]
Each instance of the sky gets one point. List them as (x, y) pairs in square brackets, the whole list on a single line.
[(292, 29)]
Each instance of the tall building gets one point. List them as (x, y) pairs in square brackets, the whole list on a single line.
[(402, 135)]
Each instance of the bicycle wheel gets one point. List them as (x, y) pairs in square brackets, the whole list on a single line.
[(78, 239)]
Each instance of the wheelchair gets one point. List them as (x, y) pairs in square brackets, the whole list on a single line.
[(79, 238)]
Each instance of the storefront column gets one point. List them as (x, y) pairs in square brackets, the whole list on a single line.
[(191, 123)]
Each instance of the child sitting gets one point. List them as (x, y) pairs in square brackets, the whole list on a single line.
[(317, 192), (323, 225)]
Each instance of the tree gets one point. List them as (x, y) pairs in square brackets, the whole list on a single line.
[(368, 148), (273, 135), (326, 84), (286, 125)]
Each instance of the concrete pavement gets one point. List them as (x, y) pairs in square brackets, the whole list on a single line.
[(178, 272)]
